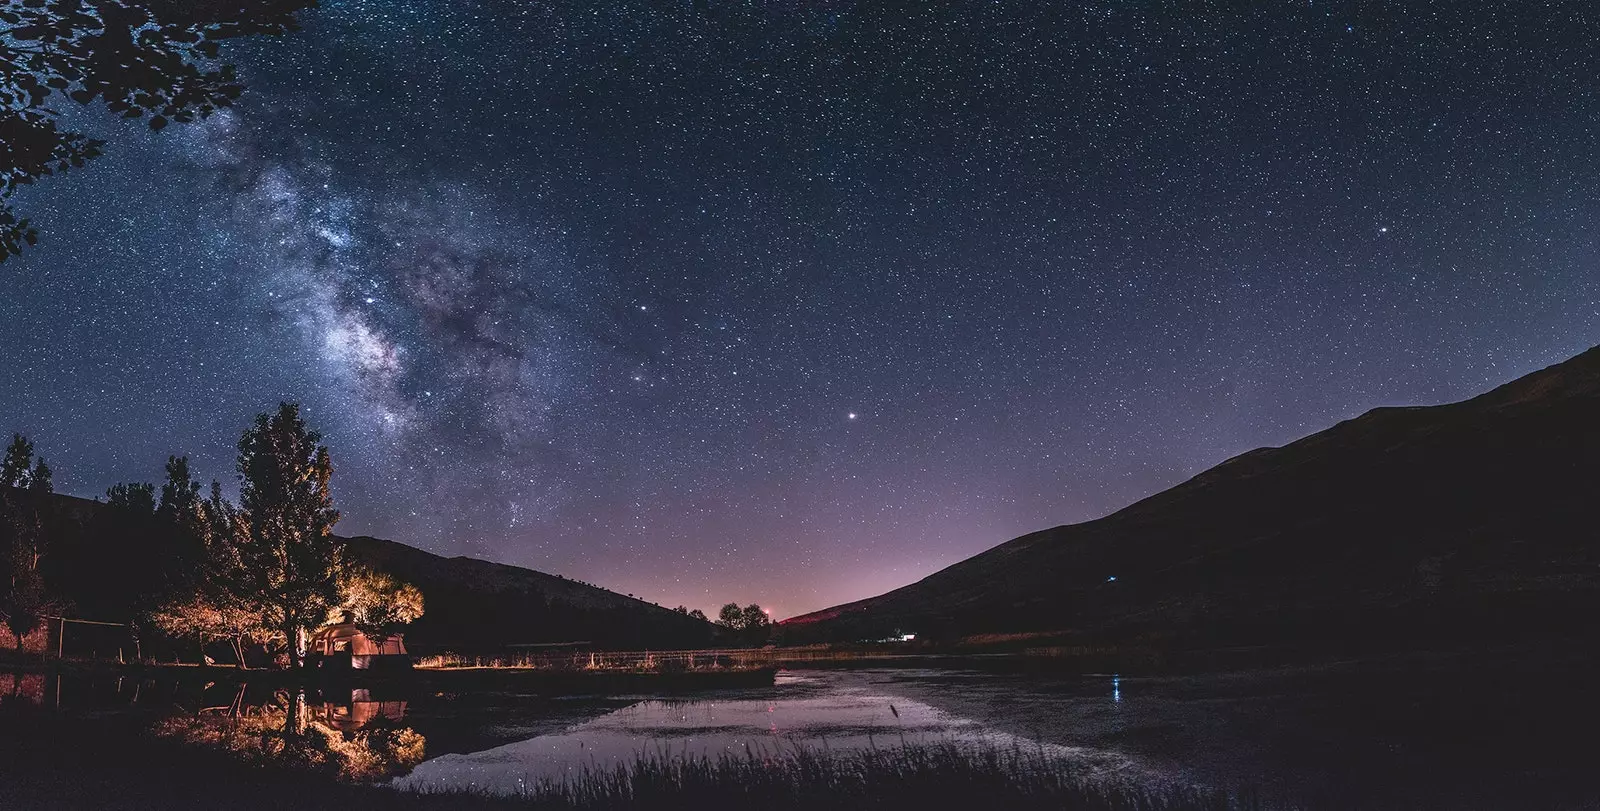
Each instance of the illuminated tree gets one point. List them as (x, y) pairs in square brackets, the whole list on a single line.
[(288, 559), (377, 603), (202, 617), (149, 59)]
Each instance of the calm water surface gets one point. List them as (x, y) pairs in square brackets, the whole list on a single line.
[(1498, 733), (835, 710)]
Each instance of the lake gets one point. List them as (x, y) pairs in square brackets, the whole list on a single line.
[(1496, 733)]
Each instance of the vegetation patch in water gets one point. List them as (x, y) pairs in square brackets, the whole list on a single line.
[(944, 775)]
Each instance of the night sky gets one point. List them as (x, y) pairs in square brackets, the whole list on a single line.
[(796, 302)]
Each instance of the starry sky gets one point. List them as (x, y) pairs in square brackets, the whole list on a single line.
[(796, 302)]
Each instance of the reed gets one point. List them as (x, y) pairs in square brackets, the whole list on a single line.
[(915, 776)]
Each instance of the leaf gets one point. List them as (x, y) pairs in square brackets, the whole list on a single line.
[(158, 122)]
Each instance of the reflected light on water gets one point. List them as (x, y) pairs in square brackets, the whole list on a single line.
[(859, 718)]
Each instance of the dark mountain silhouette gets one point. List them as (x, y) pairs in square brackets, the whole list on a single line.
[(1465, 522), (472, 606), (476, 605)]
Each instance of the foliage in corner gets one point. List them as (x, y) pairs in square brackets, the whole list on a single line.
[(155, 60)]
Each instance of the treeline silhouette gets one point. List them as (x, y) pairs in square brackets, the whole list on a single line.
[(186, 575), (262, 572)]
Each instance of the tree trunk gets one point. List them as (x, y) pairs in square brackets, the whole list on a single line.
[(291, 632)]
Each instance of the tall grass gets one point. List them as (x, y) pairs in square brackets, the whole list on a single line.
[(924, 777)]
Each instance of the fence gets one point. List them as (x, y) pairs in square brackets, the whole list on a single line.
[(714, 658)]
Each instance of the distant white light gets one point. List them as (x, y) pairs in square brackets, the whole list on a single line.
[(851, 415), (1111, 579), (370, 299)]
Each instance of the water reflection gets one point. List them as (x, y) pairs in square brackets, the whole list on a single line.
[(22, 688), (810, 712), (348, 735), (1456, 735)]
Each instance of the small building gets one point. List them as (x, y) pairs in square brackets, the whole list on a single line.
[(343, 646)]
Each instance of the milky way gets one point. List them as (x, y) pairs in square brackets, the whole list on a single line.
[(796, 302)]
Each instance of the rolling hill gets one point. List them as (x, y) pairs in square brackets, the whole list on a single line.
[(476, 605), (96, 559), (1473, 520)]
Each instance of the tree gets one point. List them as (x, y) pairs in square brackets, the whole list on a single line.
[(24, 600), (17, 464), (155, 554), (41, 479), (699, 615), (201, 616), (754, 618), (150, 59), (731, 617), (219, 600), (138, 498), (377, 603), (180, 493), (288, 559)]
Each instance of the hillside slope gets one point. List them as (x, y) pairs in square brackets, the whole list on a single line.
[(476, 605), (96, 561), (1466, 520)]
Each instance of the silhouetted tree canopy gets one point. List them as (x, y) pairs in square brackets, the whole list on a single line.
[(25, 488), (754, 618), (149, 59), (135, 497), (18, 462)]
